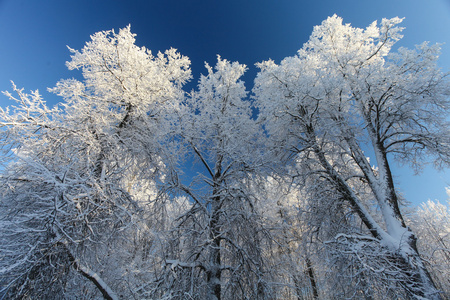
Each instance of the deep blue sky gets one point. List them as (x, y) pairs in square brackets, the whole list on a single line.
[(34, 35)]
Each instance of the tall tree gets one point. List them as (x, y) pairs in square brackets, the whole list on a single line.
[(223, 234), (67, 187), (103, 185), (343, 93)]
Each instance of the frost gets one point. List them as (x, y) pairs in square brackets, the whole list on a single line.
[(132, 188)]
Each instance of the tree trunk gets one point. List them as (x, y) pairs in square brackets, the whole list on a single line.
[(214, 270), (399, 239), (312, 280), (421, 284)]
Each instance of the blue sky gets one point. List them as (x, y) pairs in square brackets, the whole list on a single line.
[(34, 35)]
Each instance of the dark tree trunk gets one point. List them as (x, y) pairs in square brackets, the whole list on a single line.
[(312, 279)]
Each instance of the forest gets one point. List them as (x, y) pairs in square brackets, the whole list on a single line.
[(134, 188)]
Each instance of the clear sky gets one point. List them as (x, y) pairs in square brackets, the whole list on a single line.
[(34, 35)]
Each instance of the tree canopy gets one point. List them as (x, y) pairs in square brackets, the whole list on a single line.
[(133, 187)]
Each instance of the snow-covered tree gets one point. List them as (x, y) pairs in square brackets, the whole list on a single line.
[(147, 192), (345, 92), (67, 190), (220, 233), (290, 250), (431, 222)]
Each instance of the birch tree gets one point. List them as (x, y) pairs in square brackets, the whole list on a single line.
[(346, 92)]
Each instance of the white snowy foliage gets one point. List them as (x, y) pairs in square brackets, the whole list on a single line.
[(285, 206), (431, 221), (344, 91), (79, 177)]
